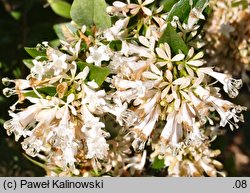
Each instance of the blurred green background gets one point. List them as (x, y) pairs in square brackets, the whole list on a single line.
[(28, 22)]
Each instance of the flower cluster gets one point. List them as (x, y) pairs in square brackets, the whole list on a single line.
[(108, 101), (227, 35)]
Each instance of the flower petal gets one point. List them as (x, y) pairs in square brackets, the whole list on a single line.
[(148, 2), (179, 81), (70, 98), (190, 53), (178, 57), (166, 48), (149, 75), (161, 53), (119, 4), (147, 11), (154, 69), (169, 75), (165, 92), (196, 62), (198, 56), (144, 41)]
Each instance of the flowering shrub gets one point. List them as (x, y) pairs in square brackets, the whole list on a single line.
[(125, 90)]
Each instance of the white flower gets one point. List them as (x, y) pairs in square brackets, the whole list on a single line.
[(95, 136), (117, 31), (130, 49), (226, 109), (193, 160), (172, 133), (135, 8), (20, 89), (230, 85), (153, 74), (148, 42), (145, 127), (164, 52), (195, 136), (117, 8), (194, 16), (194, 60), (154, 32), (20, 122), (38, 70), (69, 153), (124, 116), (98, 54), (97, 145), (94, 100), (58, 63), (32, 145), (186, 116), (129, 90), (175, 22)]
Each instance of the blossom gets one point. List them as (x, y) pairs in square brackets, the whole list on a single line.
[(21, 121), (194, 16), (117, 31), (145, 127), (193, 59), (118, 7), (227, 45), (226, 109), (164, 52), (94, 99), (129, 49), (95, 136), (32, 145), (58, 63), (129, 90), (123, 115), (97, 146), (98, 54), (190, 160), (39, 69), (230, 85), (135, 8)]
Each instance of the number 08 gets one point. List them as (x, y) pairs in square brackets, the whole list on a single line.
[(240, 184)]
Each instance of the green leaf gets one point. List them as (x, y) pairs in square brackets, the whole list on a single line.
[(174, 40), (60, 7), (34, 52), (200, 4), (89, 12), (96, 73), (181, 9), (55, 43), (158, 164), (16, 14), (116, 45), (168, 4), (28, 63), (46, 91)]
